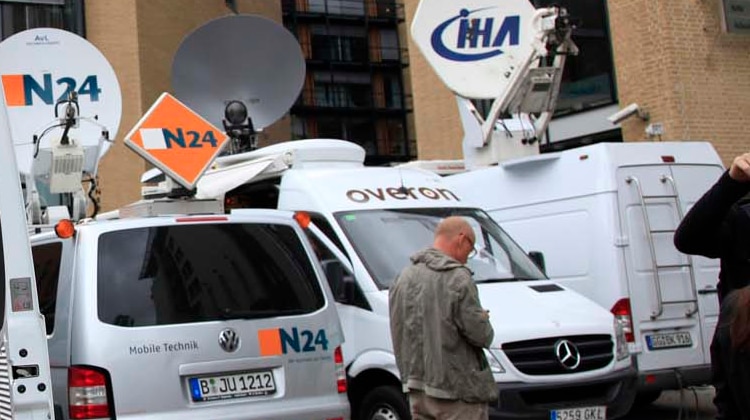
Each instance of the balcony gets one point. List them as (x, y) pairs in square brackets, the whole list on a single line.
[(353, 101), (371, 10)]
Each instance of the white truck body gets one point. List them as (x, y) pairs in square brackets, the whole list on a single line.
[(26, 392), (327, 179), (604, 217)]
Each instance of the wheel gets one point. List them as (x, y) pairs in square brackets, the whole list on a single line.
[(645, 398), (384, 403)]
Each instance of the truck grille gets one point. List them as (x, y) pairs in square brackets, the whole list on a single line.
[(539, 357)]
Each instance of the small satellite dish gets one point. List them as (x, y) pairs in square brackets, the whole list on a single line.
[(240, 58), (40, 70)]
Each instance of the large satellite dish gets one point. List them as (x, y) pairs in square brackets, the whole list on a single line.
[(243, 58), (39, 68)]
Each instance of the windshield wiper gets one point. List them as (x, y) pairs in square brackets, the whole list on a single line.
[(228, 313), (506, 280)]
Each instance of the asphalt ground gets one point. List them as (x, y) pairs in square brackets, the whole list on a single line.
[(688, 404)]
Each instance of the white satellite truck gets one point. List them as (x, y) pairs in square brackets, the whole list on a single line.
[(556, 354), (603, 216), (26, 390)]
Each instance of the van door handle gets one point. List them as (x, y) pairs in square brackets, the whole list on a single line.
[(708, 291)]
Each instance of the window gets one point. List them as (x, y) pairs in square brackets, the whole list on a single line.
[(18, 16), (339, 43), (588, 79), (162, 275), (338, 7), (47, 259), (385, 239)]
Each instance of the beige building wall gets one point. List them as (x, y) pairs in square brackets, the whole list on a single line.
[(673, 58), (140, 38), (670, 56), (437, 127)]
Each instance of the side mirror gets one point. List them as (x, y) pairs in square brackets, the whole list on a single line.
[(341, 282), (538, 258)]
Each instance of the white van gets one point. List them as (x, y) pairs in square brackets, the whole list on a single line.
[(190, 315), (374, 219), (604, 218)]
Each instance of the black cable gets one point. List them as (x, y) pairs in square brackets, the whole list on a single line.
[(94, 201), (38, 139)]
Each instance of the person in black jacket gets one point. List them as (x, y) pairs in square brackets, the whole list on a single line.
[(718, 226), (730, 354)]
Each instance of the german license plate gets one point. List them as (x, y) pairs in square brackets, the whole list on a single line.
[(669, 340), (235, 385), (580, 413)]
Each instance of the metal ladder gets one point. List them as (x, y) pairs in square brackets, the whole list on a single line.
[(650, 239)]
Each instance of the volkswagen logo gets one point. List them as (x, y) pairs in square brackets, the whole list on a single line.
[(229, 340), (567, 354)]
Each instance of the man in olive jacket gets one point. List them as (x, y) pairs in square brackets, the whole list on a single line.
[(439, 330)]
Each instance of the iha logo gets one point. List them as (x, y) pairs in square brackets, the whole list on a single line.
[(26, 90), (278, 341), (163, 138), (478, 38)]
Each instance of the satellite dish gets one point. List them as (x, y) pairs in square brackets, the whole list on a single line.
[(39, 68), (242, 58)]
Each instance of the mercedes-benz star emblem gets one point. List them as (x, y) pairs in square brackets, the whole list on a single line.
[(229, 340), (567, 354)]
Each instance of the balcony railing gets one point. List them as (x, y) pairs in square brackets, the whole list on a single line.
[(377, 9), (354, 100)]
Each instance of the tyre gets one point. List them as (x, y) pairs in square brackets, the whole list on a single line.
[(384, 403), (645, 398)]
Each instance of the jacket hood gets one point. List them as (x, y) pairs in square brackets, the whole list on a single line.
[(435, 260)]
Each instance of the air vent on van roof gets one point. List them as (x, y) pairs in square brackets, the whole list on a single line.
[(544, 288)]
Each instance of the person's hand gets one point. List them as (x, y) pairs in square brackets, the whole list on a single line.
[(740, 169)]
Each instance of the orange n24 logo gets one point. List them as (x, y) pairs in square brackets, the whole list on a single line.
[(278, 341), (164, 138), (23, 89)]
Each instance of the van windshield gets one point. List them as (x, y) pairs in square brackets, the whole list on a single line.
[(203, 272), (385, 239)]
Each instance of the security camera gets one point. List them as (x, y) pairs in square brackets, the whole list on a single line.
[(627, 112)]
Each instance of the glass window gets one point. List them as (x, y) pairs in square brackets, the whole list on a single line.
[(389, 45), (588, 78), (163, 275), (19, 16), (47, 258), (407, 231), (338, 7)]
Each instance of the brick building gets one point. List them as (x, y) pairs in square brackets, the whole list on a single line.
[(674, 58)]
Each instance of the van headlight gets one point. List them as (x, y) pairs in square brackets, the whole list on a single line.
[(621, 343), (494, 361)]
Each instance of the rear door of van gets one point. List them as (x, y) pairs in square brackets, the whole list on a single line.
[(204, 317), (673, 305)]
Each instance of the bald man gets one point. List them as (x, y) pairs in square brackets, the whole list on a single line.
[(439, 330)]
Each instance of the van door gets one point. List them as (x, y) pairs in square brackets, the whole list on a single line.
[(53, 260), (668, 312), (692, 181)]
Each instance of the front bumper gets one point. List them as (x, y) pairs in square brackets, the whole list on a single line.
[(519, 400)]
